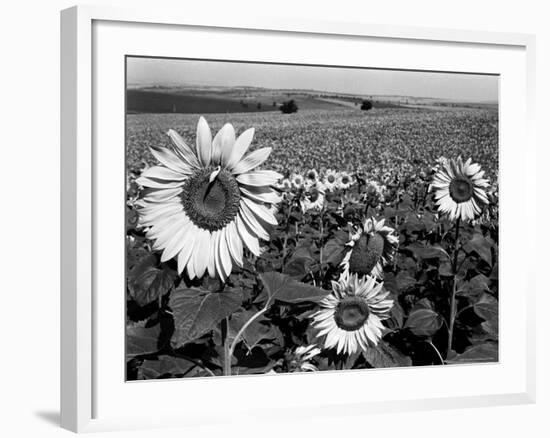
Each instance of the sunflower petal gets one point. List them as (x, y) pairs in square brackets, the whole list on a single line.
[(252, 160), (149, 195), (239, 148), (187, 250), (222, 145), (201, 253), (170, 160), (260, 211), (259, 178), (204, 142), (261, 195), (163, 173), (234, 243), (224, 256), (183, 150), (156, 183), (254, 225), (211, 268), (247, 236), (176, 244)]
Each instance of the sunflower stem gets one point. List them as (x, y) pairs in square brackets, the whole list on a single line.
[(287, 229), (321, 235), (396, 219), (225, 344), (452, 314), (437, 351), (231, 350), (426, 192)]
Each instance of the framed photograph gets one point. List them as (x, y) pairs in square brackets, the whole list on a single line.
[(265, 207)]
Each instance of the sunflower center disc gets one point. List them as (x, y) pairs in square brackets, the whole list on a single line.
[(351, 313), (211, 205), (313, 195), (461, 189), (345, 180), (330, 178), (366, 253)]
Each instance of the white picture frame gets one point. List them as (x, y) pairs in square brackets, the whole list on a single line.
[(89, 399)]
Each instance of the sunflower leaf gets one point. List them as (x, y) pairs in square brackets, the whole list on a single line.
[(281, 287), (424, 322), (487, 308), (426, 252), (400, 283), (481, 246), (397, 315), (486, 352), (386, 356), (298, 266), (142, 340), (260, 329), (474, 288), (198, 311), (165, 366), (146, 282), (334, 251)]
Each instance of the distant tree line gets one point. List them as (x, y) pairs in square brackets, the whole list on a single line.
[(289, 107), (366, 105)]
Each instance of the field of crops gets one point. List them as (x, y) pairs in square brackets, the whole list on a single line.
[(386, 140), (342, 173)]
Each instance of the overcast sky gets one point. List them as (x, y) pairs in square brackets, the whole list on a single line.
[(456, 86)]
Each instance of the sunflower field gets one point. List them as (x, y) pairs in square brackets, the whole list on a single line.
[(321, 240)]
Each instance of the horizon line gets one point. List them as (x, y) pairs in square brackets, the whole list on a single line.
[(315, 90)]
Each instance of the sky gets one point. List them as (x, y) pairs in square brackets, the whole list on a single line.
[(173, 72)]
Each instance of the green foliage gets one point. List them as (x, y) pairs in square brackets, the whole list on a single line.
[(147, 283), (198, 311), (487, 352), (280, 287), (177, 327), (424, 322), (386, 356)]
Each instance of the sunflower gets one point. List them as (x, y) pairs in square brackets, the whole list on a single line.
[(345, 180), (370, 248), (285, 185), (203, 206), (460, 189), (300, 358), (374, 192), (438, 164), (314, 197), (351, 316), (297, 180), (312, 176), (330, 179)]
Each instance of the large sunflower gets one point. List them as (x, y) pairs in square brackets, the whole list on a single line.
[(351, 316), (370, 247), (203, 206), (460, 189)]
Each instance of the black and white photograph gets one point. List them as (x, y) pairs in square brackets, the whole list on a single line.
[(286, 218)]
